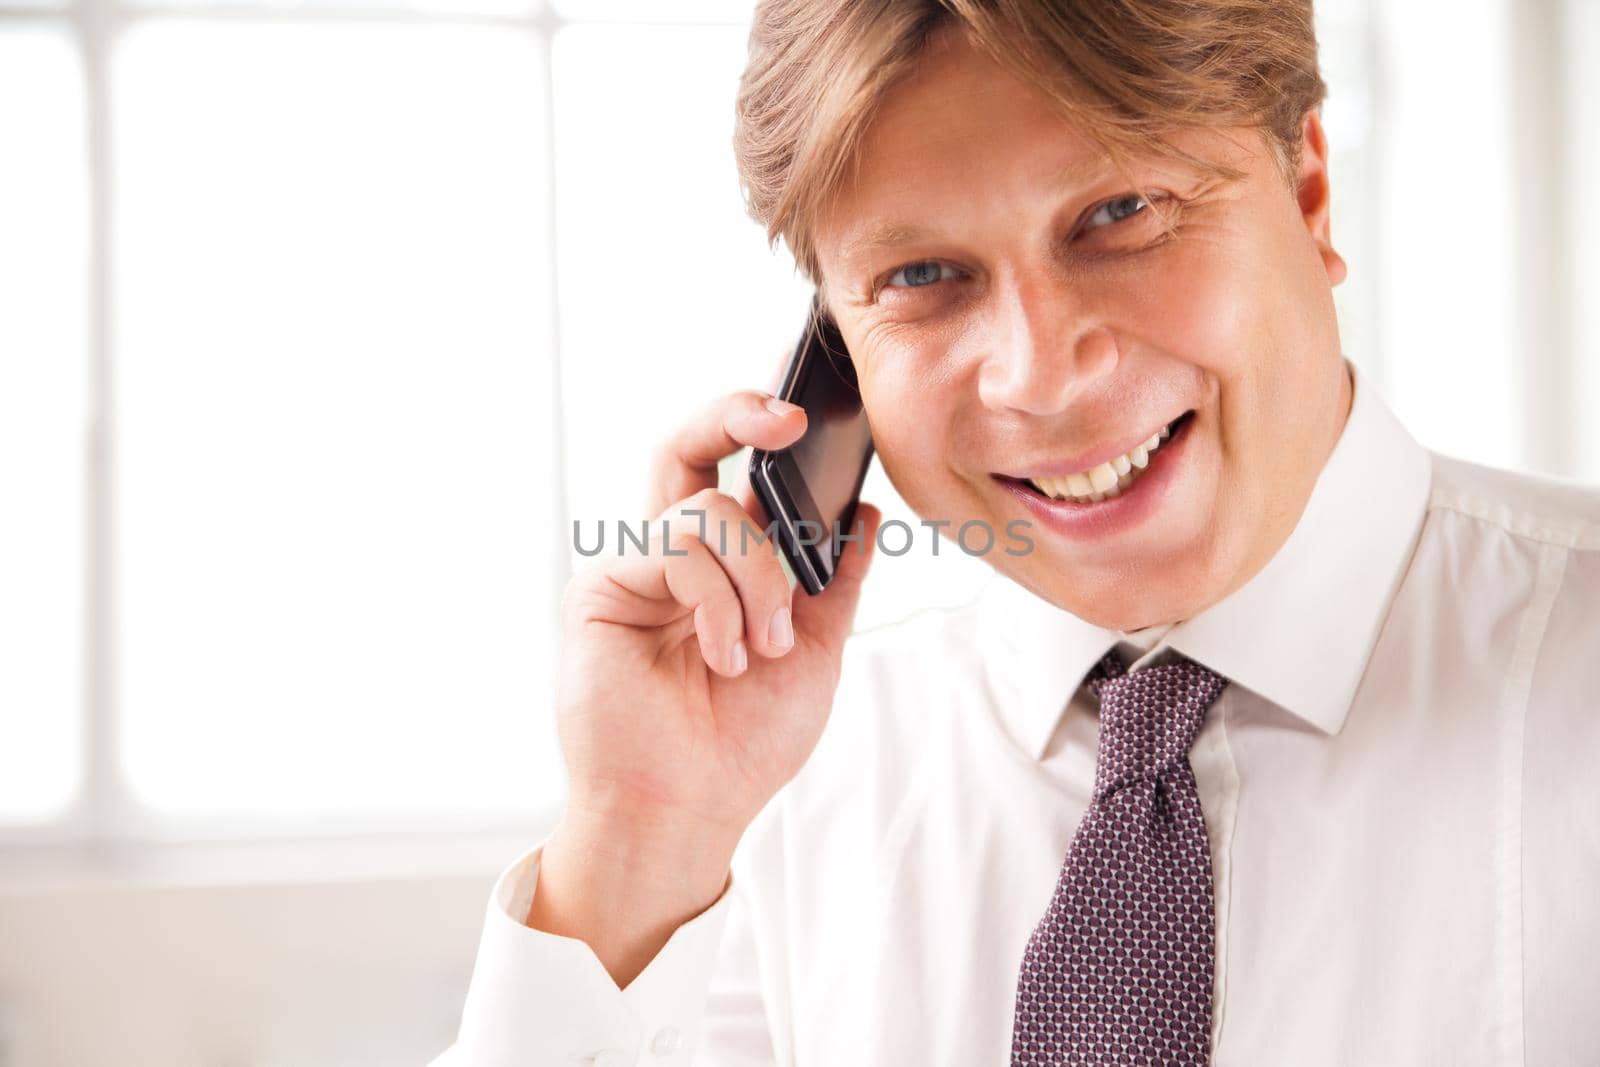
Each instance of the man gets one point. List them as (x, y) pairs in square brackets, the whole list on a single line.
[(1276, 748)]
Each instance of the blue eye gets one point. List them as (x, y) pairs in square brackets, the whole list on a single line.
[(916, 275), (1123, 207)]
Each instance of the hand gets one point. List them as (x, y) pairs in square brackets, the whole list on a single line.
[(694, 685)]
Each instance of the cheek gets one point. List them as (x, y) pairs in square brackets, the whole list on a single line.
[(1202, 309), (913, 430), (1231, 316)]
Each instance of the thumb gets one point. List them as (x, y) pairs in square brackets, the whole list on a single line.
[(827, 617)]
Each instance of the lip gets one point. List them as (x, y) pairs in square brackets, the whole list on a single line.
[(1089, 521), (1089, 460)]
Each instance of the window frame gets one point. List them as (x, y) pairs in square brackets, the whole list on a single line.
[(104, 827), (104, 819)]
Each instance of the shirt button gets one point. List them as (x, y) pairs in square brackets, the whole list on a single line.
[(611, 1058), (667, 1041)]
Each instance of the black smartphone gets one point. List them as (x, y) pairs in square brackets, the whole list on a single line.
[(810, 489)]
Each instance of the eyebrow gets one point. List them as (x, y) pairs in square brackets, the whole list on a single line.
[(1080, 172), (885, 235), (896, 234)]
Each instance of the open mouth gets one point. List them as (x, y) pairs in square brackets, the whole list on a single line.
[(1112, 478)]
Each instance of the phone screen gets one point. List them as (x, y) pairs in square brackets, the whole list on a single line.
[(810, 488), (837, 434)]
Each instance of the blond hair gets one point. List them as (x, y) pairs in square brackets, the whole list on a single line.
[(1125, 72)]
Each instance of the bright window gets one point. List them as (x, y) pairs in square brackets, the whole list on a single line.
[(44, 421), (336, 519), (320, 323), (1580, 92)]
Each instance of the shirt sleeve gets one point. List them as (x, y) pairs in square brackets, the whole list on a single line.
[(540, 998)]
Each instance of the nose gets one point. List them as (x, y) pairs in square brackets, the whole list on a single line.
[(1043, 352)]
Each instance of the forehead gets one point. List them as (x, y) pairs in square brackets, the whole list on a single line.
[(959, 102), (960, 129), (958, 119)]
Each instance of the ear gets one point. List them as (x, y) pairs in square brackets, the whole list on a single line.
[(1312, 191)]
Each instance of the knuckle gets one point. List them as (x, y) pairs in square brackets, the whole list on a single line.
[(708, 499), (664, 450), (680, 542), (723, 605), (663, 462), (578, 596), (570, 597), (772, 576)]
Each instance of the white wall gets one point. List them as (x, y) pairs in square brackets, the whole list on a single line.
[(344, 953), (345, 963)]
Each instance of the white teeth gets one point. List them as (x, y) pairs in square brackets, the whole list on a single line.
[(1106, 481)]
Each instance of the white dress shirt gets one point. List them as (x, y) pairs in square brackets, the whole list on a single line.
[(1401, 787)]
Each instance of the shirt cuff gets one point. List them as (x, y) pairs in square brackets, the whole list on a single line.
[(538, 997)]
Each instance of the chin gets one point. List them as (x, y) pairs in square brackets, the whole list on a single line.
[(1131, 594)]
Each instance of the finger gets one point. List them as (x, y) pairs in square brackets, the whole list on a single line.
[(828, 616), (687, 463), (697, 581), (752, 566), (677, 575), (745, 494)]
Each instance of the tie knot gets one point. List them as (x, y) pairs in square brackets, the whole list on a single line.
[(1149, 718)]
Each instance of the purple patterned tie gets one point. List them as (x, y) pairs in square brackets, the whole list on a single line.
[(1118, 972)]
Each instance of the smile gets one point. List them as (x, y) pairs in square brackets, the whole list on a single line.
[(1107, 480)]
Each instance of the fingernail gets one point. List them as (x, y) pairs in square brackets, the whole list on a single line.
[(780, 407), (781, 630), (740, 660)]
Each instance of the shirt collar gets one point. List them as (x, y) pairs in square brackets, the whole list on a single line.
[(1298, 633)]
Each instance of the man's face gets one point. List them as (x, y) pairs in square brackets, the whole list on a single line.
[(1016, 310)]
